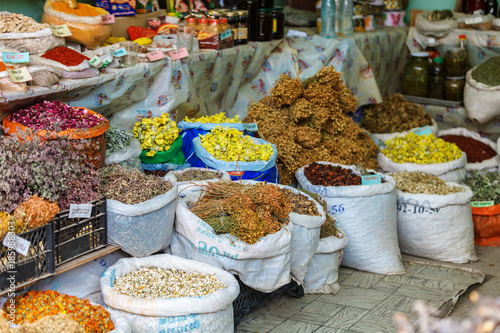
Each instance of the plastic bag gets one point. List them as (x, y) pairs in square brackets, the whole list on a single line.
[(482, 102), (210, 313), (144, 228), (257, 170), (120, 323), (368, 215), (388, 136), (182, 185), (486, 225), (33, 42), (436, 226), (44, 76), (486, 165), (6, 83), (86, 30), (323, 272), (89, 72), (173, 155), (133, 150), (165, 166), (437, 29), (264, 266), (453, 171)]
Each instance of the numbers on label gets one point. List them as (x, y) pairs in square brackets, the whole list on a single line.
[(336, 209), (403, 208)]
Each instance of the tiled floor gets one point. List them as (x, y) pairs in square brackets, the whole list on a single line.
[(365, 303)]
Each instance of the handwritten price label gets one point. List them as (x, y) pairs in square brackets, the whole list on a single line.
[(108, 19), (473, 20), (120, 52), (482, 204), (371, 180), (225, 34), (155, 55), (95, 61), (80, 211), (60, 30), (21, 245), (20, 74), (16, 58), (422, 130), (179, 54)]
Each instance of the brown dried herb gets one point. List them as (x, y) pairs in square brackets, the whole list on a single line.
[(300, 203), (197, 174), (328, 228)]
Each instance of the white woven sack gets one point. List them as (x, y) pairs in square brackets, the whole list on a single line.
[(453, 171), (482, 102), (182, 185), (48, 62), (121, 324), (264, 266), (436, 226), (323, 273), (498, 145), (437, 29), (486, 165), (144, 228), (209, 313), (388, 136), (133, 150), (33, 42), (91, 20), (368, 215)]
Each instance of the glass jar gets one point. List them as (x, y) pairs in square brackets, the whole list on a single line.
[(437, 67), (436, 87), (269, 4), (456, 62), (416, 75), (278, 22), (454, 88), (191, 22), (253, 19), (202, 24), (432, 49), (232, 20), (265, 31), (215, 27), (242, 27)]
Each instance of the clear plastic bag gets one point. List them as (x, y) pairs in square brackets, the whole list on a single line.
[(89, 72)]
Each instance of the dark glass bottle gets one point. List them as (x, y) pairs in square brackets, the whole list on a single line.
[(278, 22), (232, 20), (491, 7), (269, 4), (265, 32), (253, 19), (242, 27), (436, 81)]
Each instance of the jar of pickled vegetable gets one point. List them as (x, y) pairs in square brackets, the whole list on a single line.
[(416, 75), (454, 88), (456, 62)]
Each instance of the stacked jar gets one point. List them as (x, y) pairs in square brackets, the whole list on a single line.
[(456, 63), (265, 21)]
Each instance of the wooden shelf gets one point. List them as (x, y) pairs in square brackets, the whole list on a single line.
[(85, 259)]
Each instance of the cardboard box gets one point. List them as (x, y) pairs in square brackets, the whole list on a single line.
[(119, 28)]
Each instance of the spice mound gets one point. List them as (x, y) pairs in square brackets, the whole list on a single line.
[(65, 56), (394, 114), (485, 186), (248, 212), (423, 149), (330, 175), (156, 134), (423, 183), (35, 304), (300, 203), (131, 186), (153, 282), (197, 174), (56, 116), (230, 145), (219, 118), (488, 72), (476, 151)]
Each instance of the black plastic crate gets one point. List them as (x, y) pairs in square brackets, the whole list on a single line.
[(78, 236), (37, 264), (249, 298)]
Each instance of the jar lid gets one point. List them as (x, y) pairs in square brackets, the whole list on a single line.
[(265, 10), (455, 78), (438, 60), (242, 12), (230, 14), (456, 50), (420, 54), (191, 19), (461, 36), (203, 21), (431, 40), (214, 21), (223, 20), (279, 8)]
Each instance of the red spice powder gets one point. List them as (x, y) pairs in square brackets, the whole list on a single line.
[(329, 175), (476, 151), (65, 56)]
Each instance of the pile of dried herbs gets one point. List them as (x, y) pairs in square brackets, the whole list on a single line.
[(307, 122), (485, 186), (328, 228), (423, 183), (394, 114), (116, 140), (131, 186), (488, 72), (300, 203), (197, 175), (248, 212)]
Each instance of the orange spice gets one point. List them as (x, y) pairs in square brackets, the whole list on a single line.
[(80, 10)]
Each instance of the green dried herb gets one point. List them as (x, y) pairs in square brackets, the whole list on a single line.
[(485, 186), (488, 72), (117, 140)]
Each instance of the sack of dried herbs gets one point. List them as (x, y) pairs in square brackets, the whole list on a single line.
[(323, 272), (434, 218), (481, 152), (140, 209), (242, 227), (212, 312), (195, 176), (122, 148), (368, 215)]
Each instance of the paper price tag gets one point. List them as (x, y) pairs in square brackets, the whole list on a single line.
[(155, 55), (95, 61), (371, 180), (21, 245), (482, 204), (251, 127), (225, 34), (108, 19), (473, 20), (422, 130), (179, 54), (16, 58), (20, 74), (80, 211), (120, 52), (60, 30)]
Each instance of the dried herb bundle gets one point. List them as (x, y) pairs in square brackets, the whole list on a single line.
[(36, 212), (197, 174), (300, 203), (394, 114), (117, 140), (423, 183), (131, 186), (248, 212), (308, 123), (485, 186)]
